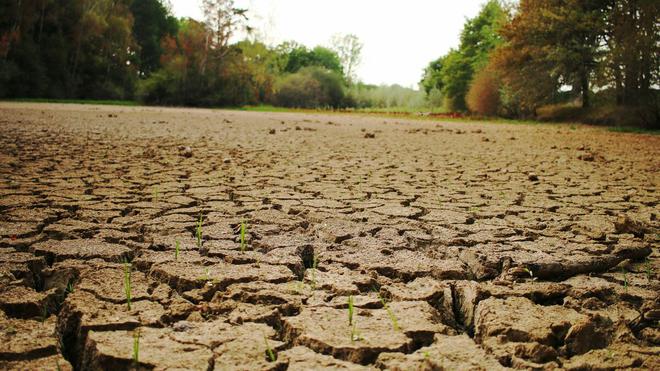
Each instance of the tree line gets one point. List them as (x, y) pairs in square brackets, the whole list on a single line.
[(136, 49), (592, 60)]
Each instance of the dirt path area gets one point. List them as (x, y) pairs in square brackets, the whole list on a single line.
[(325, 242)]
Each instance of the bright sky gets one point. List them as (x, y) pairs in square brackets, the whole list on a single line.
[(400, 37)]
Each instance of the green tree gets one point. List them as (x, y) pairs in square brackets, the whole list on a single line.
[(152, 22), (453, 72), (298, 57), (349, 50)]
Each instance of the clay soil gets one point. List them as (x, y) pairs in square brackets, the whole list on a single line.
[(461, 245)]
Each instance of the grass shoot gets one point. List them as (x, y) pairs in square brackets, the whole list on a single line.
[(177, 248), (269, 351), (315, 264), (198, 230), (127, 282), (393, 319), (243, 233), (136, 347), (350, 310)]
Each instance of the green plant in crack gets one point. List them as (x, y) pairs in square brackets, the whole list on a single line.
[(269, 351), (177, 248), (648, 269), (393, 319), (69, 287), (198, 230), (155, 193), (243, 235), (127, 282), (136, 347), (350, 310), (315, 264)]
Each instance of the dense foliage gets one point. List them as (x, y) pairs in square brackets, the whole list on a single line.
[(598, 60)]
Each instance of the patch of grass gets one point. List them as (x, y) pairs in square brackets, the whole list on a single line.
[(136, 348), (78, 101), (177, 247), (269, 352), (243, 234), (198, 230), (393, 319), (127, 282)]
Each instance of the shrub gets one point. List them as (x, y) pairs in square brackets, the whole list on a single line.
[(484, 94), (312, 87)]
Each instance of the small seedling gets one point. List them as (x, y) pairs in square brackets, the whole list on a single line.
[(269, 351), (355, 334), (127, 283), (350, 310), (198, 231), (136, 347), (395, 322), (426, 354), (243, 233), (177, 247), (315, 264), (44, 314), (69, 287)]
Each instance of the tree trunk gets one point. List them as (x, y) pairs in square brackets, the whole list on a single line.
[(584, 86)]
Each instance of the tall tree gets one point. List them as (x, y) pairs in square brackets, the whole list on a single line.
[(349, 50), (152, 22)]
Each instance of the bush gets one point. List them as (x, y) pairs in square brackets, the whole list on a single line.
[(484, 94), (647, 117), (311, 87)]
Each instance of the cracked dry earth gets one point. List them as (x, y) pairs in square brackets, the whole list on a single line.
[(463, 245)]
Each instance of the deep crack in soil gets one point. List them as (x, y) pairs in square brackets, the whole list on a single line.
[(458, 252)]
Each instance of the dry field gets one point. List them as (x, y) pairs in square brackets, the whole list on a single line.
[(458, 245)]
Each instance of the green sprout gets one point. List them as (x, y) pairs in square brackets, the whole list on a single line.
[(198, 231), (177, 247), (269, 351), (243, 233), (426, 354), (355, 334), (127, 283), (648, 269), (350, 310), (136, 347), (315, 264), (44, 314), (69, 287), (395, 322)]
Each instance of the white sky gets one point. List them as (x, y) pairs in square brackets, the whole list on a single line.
[(400, 37)]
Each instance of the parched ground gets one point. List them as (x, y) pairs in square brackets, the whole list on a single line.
[(460, 245)]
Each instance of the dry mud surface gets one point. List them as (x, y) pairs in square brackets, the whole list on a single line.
[(462, 245)]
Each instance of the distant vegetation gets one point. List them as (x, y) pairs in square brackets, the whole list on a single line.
[(592, 61), (595, 61)]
